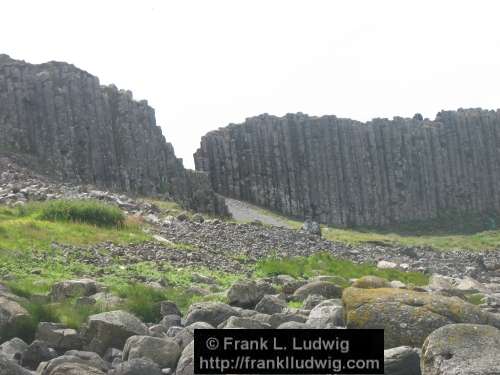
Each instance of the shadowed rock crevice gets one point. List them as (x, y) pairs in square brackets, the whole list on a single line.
[(348, 173), (70, 127)]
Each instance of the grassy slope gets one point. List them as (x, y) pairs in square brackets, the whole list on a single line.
[(441, 239), (32, 265)]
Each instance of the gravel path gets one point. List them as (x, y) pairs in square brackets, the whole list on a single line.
[(246, 212)]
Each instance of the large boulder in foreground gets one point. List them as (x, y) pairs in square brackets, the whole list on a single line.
[(163, 351), (462, 349), (186, 362), (13, 317), (9, 367), (213, 313), (402, 360), (86, 359), (111, 330), (407, 316)]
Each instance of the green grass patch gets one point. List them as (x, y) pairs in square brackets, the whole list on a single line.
[(79, 211), (326, 264), (448, 232), (38, 225), (295, 304)]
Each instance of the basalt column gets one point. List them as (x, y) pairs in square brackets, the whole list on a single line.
[(348, 173), (74, 129)]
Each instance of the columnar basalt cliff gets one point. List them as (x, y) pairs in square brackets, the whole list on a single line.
[(73, 128), (348, 173)]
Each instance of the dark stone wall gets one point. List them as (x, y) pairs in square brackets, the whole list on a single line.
[(348, 173), (80, 131)]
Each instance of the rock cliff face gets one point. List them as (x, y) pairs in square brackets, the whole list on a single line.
[(77, 130), (347, 173)]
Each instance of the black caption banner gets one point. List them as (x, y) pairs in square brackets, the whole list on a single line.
[(288, 351)]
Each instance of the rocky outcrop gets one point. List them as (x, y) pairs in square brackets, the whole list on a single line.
[(68, 126), (348, 173)]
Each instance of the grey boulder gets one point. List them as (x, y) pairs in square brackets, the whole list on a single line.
[(58, 336), (13, 348), (247, 294), (328, 314), (87, 359), (73, 288), (270, 304), (10, 367), (323, 288), (470, 349), (165, 352), (213, 313), (111, 330), (402, 360)]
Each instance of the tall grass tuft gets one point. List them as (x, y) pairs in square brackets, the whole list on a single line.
[(82, 211)]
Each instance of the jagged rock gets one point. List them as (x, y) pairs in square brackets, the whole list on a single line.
[(111, 330), (213, 313), (344, 172), (10, 367), (70, 127), (462, 349), (13, 348), (72, 357), (368, 282), (322, 288), (328, 314), (247, 294), (136, 366), (406, 316), (73, 288), (58, 336), (402, 360), (163, 351), (270, 304)]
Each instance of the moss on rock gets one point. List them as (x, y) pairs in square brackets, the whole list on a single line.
[(407, 316)]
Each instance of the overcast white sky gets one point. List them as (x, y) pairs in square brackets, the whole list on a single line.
[(204, 64)]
